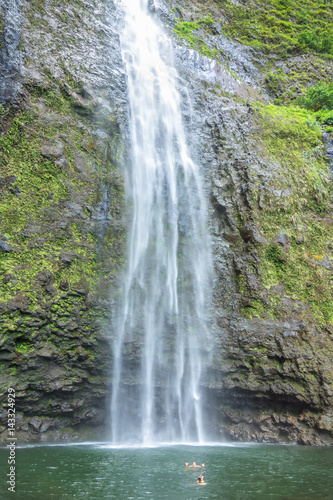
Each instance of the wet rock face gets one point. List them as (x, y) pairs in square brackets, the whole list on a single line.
[(271, 375), (11, 56), (63, 227)]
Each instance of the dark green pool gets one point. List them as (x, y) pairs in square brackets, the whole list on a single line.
[(238, 472)]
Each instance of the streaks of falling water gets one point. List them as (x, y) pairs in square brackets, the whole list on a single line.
[(160, 331)]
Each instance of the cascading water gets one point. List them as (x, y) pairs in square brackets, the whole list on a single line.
[(160, 329)]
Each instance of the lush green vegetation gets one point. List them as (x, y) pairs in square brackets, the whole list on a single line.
[(291, 138), (190, 31), (278, 27), (320, 99), (302, 270), (282, 26), (35, 189)]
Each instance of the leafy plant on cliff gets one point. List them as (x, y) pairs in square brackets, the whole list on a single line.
[(320, 99), (319, 41)]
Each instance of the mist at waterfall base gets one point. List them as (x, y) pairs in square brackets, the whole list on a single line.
[(161, 340), (234, 472)]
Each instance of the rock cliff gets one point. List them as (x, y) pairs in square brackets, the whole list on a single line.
[(62, 211), (63, 220)]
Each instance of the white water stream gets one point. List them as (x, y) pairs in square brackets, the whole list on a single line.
[(160, 329)]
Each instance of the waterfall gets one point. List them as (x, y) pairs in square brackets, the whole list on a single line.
[(160, 332)]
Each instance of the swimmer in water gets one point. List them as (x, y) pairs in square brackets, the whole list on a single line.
[(200, 479), (193, 466)]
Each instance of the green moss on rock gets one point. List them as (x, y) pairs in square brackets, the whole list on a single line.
[(295, 217)]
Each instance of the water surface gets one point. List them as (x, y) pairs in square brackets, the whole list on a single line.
[(234, 472)]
